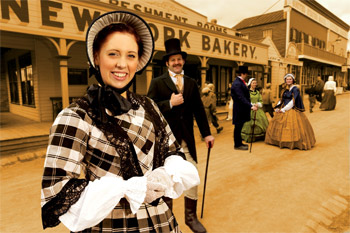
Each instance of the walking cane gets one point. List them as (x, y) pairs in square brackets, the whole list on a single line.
[(205, 178), (251, 138)]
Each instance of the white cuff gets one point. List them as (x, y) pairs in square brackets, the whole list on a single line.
[(183, 173), (259, 104), (288, 107), (100, 197)]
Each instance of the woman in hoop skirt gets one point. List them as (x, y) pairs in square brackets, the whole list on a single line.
[(260, 122), (290, 128)]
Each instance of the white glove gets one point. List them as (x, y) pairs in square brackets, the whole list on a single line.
[(154, 191), (159, 175), (159, 183)]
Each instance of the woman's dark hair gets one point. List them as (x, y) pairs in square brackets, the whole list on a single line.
[(119, 27)]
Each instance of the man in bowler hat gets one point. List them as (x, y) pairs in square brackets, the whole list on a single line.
[(241, 106), (178, 98)]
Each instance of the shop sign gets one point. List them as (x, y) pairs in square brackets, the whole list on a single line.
[(63, 20)]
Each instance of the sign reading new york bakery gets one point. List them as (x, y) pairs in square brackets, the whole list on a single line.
[(69, 19)]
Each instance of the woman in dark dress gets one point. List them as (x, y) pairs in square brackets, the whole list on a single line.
[(289, 127)]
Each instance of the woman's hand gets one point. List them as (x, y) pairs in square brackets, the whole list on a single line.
[(154, 191)]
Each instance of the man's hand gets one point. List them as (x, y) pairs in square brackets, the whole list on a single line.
[(209, 140), (176, 100)]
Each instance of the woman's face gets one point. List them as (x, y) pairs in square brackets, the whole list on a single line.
[(253, 84), (118, 59), (289, 80)]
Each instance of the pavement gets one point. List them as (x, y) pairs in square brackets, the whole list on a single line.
[(248, 179)]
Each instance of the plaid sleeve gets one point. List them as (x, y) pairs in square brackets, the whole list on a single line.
[(66, 149)]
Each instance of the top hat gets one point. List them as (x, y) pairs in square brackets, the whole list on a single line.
[(242, 70), (123, 17), (172, 47)]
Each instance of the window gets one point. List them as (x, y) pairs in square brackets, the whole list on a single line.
[(12, 72), (77, 76), (27, 81), (306, 38), (267, 33)]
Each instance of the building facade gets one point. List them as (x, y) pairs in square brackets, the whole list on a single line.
[(310, 41), (44, 63)]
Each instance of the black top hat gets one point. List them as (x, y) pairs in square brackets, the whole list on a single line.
[(172, 47), (242, 70)]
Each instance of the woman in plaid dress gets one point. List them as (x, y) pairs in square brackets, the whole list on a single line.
[(111, 155)]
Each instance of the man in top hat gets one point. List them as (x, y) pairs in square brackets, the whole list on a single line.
[(241, 106), (178, 98)]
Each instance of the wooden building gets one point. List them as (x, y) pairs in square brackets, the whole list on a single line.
[(44, 63), (310, 40)]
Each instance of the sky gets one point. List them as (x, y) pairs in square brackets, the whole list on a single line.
[(230, 12)]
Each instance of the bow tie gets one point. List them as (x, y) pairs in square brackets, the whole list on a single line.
[(106, 97)]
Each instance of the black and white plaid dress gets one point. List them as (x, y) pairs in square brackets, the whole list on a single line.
[(82, 149)]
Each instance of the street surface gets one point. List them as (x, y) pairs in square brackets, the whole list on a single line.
[(267, 190)]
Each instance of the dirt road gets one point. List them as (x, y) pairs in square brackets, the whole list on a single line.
[(268, 190)]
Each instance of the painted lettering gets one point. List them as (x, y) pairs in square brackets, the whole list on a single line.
[(149, 11), (46, 13), (155, 31), (84, 19), (227, 47), (177, 18), (125, 4), (183, 38), (211, 27), (168, 33), (252, 51), (160, 13), (216, 45), (205, 43), (20, 10), (137, 7), (168, 15), (244, 50), (235, 49)]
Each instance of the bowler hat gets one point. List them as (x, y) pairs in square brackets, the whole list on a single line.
[(172, 47), (242, 70)]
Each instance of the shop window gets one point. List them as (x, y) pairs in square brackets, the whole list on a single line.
[(313, 41), (298, 37), (306, 38), (77, 76), (27, 81), (267, 33), (13, 81)]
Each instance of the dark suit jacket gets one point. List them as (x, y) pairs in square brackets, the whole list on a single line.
[(180, 118), (241, 102)]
